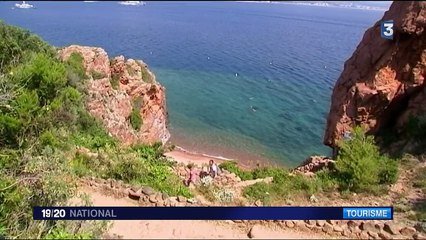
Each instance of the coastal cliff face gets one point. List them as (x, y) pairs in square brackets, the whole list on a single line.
[(118, 87), (383, 84)]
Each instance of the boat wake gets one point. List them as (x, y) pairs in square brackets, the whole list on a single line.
[(132, 3), (23, 5)]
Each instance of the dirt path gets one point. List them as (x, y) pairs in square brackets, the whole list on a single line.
[(151, 229)]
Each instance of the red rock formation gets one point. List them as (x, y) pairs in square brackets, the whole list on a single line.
[(114, 106), (314, 164), (383, 83)]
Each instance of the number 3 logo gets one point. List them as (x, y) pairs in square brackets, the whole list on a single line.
[(387, 29)]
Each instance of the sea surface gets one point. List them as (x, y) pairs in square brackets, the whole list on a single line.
[(245, 81)]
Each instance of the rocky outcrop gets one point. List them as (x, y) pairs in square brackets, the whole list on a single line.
[(383, 83), (314, 164), (118, 87)]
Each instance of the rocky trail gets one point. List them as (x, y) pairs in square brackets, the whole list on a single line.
[(150, 229)]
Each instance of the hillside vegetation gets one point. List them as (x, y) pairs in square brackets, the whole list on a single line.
[(48, 141), (43, 128)]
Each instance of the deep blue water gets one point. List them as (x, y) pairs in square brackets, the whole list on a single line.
[(286, 59)]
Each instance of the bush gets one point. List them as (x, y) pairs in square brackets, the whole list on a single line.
[(16, 44), (224, 195), (115, 81), (98, 75), (43, 74), (232, 166), (146, 77), (75, 65), (130, 70), (360, 165), (135, 116)]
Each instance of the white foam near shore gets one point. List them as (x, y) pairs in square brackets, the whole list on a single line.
[(202, 154)]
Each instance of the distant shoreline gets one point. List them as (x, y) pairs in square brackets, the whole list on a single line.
[(359, 7)]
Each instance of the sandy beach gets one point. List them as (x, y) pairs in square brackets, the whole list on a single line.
[(186, 157)]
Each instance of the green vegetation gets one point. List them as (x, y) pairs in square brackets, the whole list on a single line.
[(135, 116), (146, 76), (98, 75), (42, 122), (360, 168), (232, 166), (115, 81), (130, 70), (420, 207), (420, 180)]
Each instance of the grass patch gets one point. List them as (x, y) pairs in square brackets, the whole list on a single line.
[(420, 180), (132, 72), (97, 75), (288, 186), (135, 117), (115, 81), (232, 167)]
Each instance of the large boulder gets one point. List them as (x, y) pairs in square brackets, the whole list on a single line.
[(383, 83), (119, 87)]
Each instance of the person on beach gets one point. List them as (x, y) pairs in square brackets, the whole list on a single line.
[(192, 176), (213, 168)]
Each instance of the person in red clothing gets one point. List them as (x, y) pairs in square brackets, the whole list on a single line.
[(192, 175)]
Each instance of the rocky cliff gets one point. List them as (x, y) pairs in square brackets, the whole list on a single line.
[(117, 88), (383, 83)]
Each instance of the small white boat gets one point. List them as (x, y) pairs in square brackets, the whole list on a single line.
[(24, 5), (132, 3)]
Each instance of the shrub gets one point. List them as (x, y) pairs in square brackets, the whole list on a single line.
[(232, 166), (130, 70), (115, 81), (75, 65), (224, 195), (16, 44), (43, 74), (146, 77), (360, 165), (98, 75), (47, 138), (135, 116)]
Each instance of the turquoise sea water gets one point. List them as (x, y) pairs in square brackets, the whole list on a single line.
[(246, 81)]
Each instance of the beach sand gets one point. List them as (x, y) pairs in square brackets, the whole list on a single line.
[(186, 157)]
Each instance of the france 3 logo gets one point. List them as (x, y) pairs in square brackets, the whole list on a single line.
[(386, 29)]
